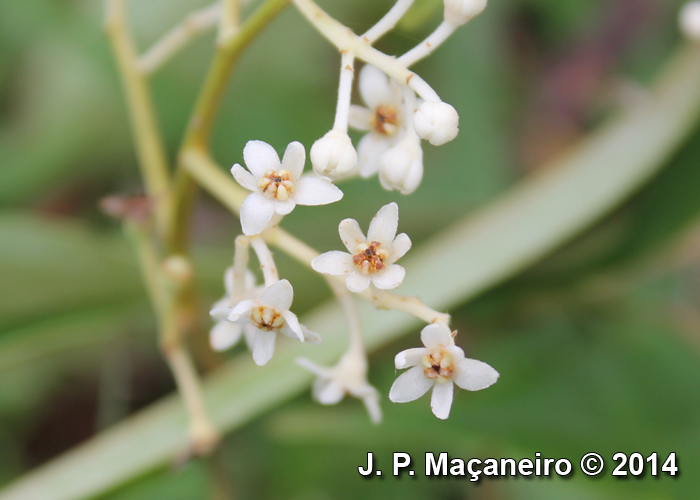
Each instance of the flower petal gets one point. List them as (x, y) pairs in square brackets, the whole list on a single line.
[(474, 375), (435, 335), (335, 263), (311, 336), (285, 207), (264, 347), (328, 392), (256, 212), (384, 225), (293, 323), (224, 334), (360, 118), (401, 245), (294, 159), (357, 282), (250, 332), (370, 397), (319, 371), (228, 280), (244, 178), (221, 309), (241, 309), (369, 153), (374, 87), (260, 157), (390, 278), (441, 400), (410, 385), (313, 191), (278, 296), (410, 357), (351, 234)]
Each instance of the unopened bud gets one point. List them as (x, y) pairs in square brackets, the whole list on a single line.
[(436, 122), (458, 12), (333, 155), (690, 20), (402, 167)]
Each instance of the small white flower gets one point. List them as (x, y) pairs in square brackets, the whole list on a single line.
[(690, 20), (402, 166), (436, 122), (333, 155), (371, 259), (439, 365), (225, 334), (349, 376), (458, 12), (383, 118), (269, 315), (277, 186)]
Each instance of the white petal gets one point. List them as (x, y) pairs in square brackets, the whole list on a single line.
[(351, 234), (224, 335), (285, 207), (384, 225), (357, 282), (294, 159), (441, 400), (260, 157), (319, 371), (370, 397), (256, 213), (311, 336), (250, 332), (293, 323), (278, 296), (221, 309), (264, 347), (374, 87), (244, 178), (360, 118), (328, 392), (242, 309), (228, 280), (390, 278), (313, 191), (410, 385), (369, 153), (399, 247), (335, 263), (474, 375), (435, 335), (409, 357)]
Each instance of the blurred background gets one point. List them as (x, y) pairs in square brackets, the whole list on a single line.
[(598, 346)]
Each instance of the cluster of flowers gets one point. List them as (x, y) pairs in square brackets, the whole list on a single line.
[(395, 121)]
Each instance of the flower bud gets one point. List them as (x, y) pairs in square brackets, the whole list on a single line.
[(437, 122), (402, 167), (458, 12), (333, 155), (690, 20)]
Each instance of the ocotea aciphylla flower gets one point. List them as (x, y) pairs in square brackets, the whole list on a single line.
[(269, 315), (371, 259), (277, 187), (439, 365)]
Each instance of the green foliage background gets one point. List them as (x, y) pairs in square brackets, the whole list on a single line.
[(598, 346)]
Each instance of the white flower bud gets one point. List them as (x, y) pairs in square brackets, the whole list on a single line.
[(458, 12), (402, 167), (333, 155), (437, 122), (690, 20)]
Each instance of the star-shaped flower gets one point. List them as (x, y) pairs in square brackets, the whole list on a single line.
[(269, 315), (349, 376), (383, 118), (439, 365), (277, 187), (371, 259)]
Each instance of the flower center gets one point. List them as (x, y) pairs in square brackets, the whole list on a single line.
[(385, 120), (277, 185), (439, 365), (265, 318), (370, 258)]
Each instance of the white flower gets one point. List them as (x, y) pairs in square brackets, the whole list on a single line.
[(333, 155), (459, 12), (402, 166), (690, 20), (438, 365), (277, 186), (269, 315), (436, 122), (225, 334), (371, 259), (349, 376), (383, 118)]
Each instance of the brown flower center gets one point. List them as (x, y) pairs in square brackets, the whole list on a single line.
[(385, 120), (265, 318), (277, 185), (439, 365), (370, 258)]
